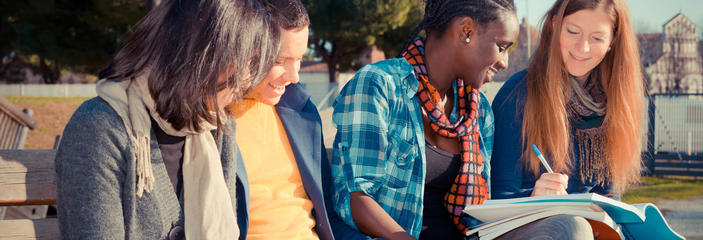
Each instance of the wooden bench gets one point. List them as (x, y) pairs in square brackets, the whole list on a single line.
[(14, 125), (27, 177)]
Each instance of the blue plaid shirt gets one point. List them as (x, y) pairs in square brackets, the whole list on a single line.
[(379, 148)]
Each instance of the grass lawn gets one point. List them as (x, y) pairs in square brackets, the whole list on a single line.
[(51, 115), (653, 189)]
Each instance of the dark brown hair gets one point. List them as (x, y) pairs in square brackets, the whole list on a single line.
[(193, 49)]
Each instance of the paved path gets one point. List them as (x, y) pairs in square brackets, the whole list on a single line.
[(684, 216)]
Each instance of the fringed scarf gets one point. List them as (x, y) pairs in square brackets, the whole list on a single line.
[(469, 186), (208, 207), (586, 110)]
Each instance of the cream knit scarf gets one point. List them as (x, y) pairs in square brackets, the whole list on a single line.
[(208, 206)]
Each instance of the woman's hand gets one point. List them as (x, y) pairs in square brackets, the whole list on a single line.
[(551, 184)]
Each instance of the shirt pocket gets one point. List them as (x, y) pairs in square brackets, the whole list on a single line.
[(399, 161)]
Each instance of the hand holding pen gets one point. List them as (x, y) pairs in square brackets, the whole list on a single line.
[(549, 183)]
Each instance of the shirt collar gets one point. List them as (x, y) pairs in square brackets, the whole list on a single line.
[(409, 83), (294, 97)]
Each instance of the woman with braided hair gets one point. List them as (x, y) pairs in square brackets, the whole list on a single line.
[(414, 133)]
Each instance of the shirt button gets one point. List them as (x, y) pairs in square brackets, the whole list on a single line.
[(176, 233)]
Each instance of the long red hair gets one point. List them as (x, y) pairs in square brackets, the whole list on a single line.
[(545, 121)]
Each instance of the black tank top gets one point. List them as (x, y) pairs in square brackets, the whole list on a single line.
[(442, 168)]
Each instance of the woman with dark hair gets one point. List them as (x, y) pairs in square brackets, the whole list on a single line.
[(143, 160), (414, 133)]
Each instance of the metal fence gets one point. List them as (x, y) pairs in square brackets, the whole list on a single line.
[(674, 143)]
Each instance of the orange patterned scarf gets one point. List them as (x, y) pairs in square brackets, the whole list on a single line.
[(469, 186)]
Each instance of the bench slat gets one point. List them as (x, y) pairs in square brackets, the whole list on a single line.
[(27, 177), (16, 114), (45, 229)]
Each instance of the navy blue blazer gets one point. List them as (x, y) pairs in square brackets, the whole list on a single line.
[(302, 124)]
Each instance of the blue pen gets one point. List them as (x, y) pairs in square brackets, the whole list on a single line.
[(541, 159)]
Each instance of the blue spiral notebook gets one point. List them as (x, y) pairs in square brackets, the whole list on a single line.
[(637, 221)]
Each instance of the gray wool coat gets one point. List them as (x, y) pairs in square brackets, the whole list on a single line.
[(96, 187)]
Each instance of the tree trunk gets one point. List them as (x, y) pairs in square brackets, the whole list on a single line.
[(330, 58), (335, 55), (332, 71), (151, 4), (48, 75), (333, 60)]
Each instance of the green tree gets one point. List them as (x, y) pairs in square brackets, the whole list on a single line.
[(76, 35), (342, 29)]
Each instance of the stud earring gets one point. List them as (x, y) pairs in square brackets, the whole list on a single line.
[(608, 48), (468, 40)]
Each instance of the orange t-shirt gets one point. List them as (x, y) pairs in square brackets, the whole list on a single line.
[(279, 206)]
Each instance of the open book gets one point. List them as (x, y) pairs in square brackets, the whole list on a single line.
[(610, 219)]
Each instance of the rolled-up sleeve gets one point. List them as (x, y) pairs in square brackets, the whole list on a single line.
[(360, 115)]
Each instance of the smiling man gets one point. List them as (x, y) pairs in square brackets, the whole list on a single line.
[(284, 163)]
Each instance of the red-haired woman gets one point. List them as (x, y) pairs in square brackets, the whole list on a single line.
[(579, 101)]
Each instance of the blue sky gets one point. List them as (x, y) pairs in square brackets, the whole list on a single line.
[(646, 15)]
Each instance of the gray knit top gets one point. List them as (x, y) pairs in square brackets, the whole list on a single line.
[(96, 191)]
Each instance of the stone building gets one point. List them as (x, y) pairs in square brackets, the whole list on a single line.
[(672, 60)]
